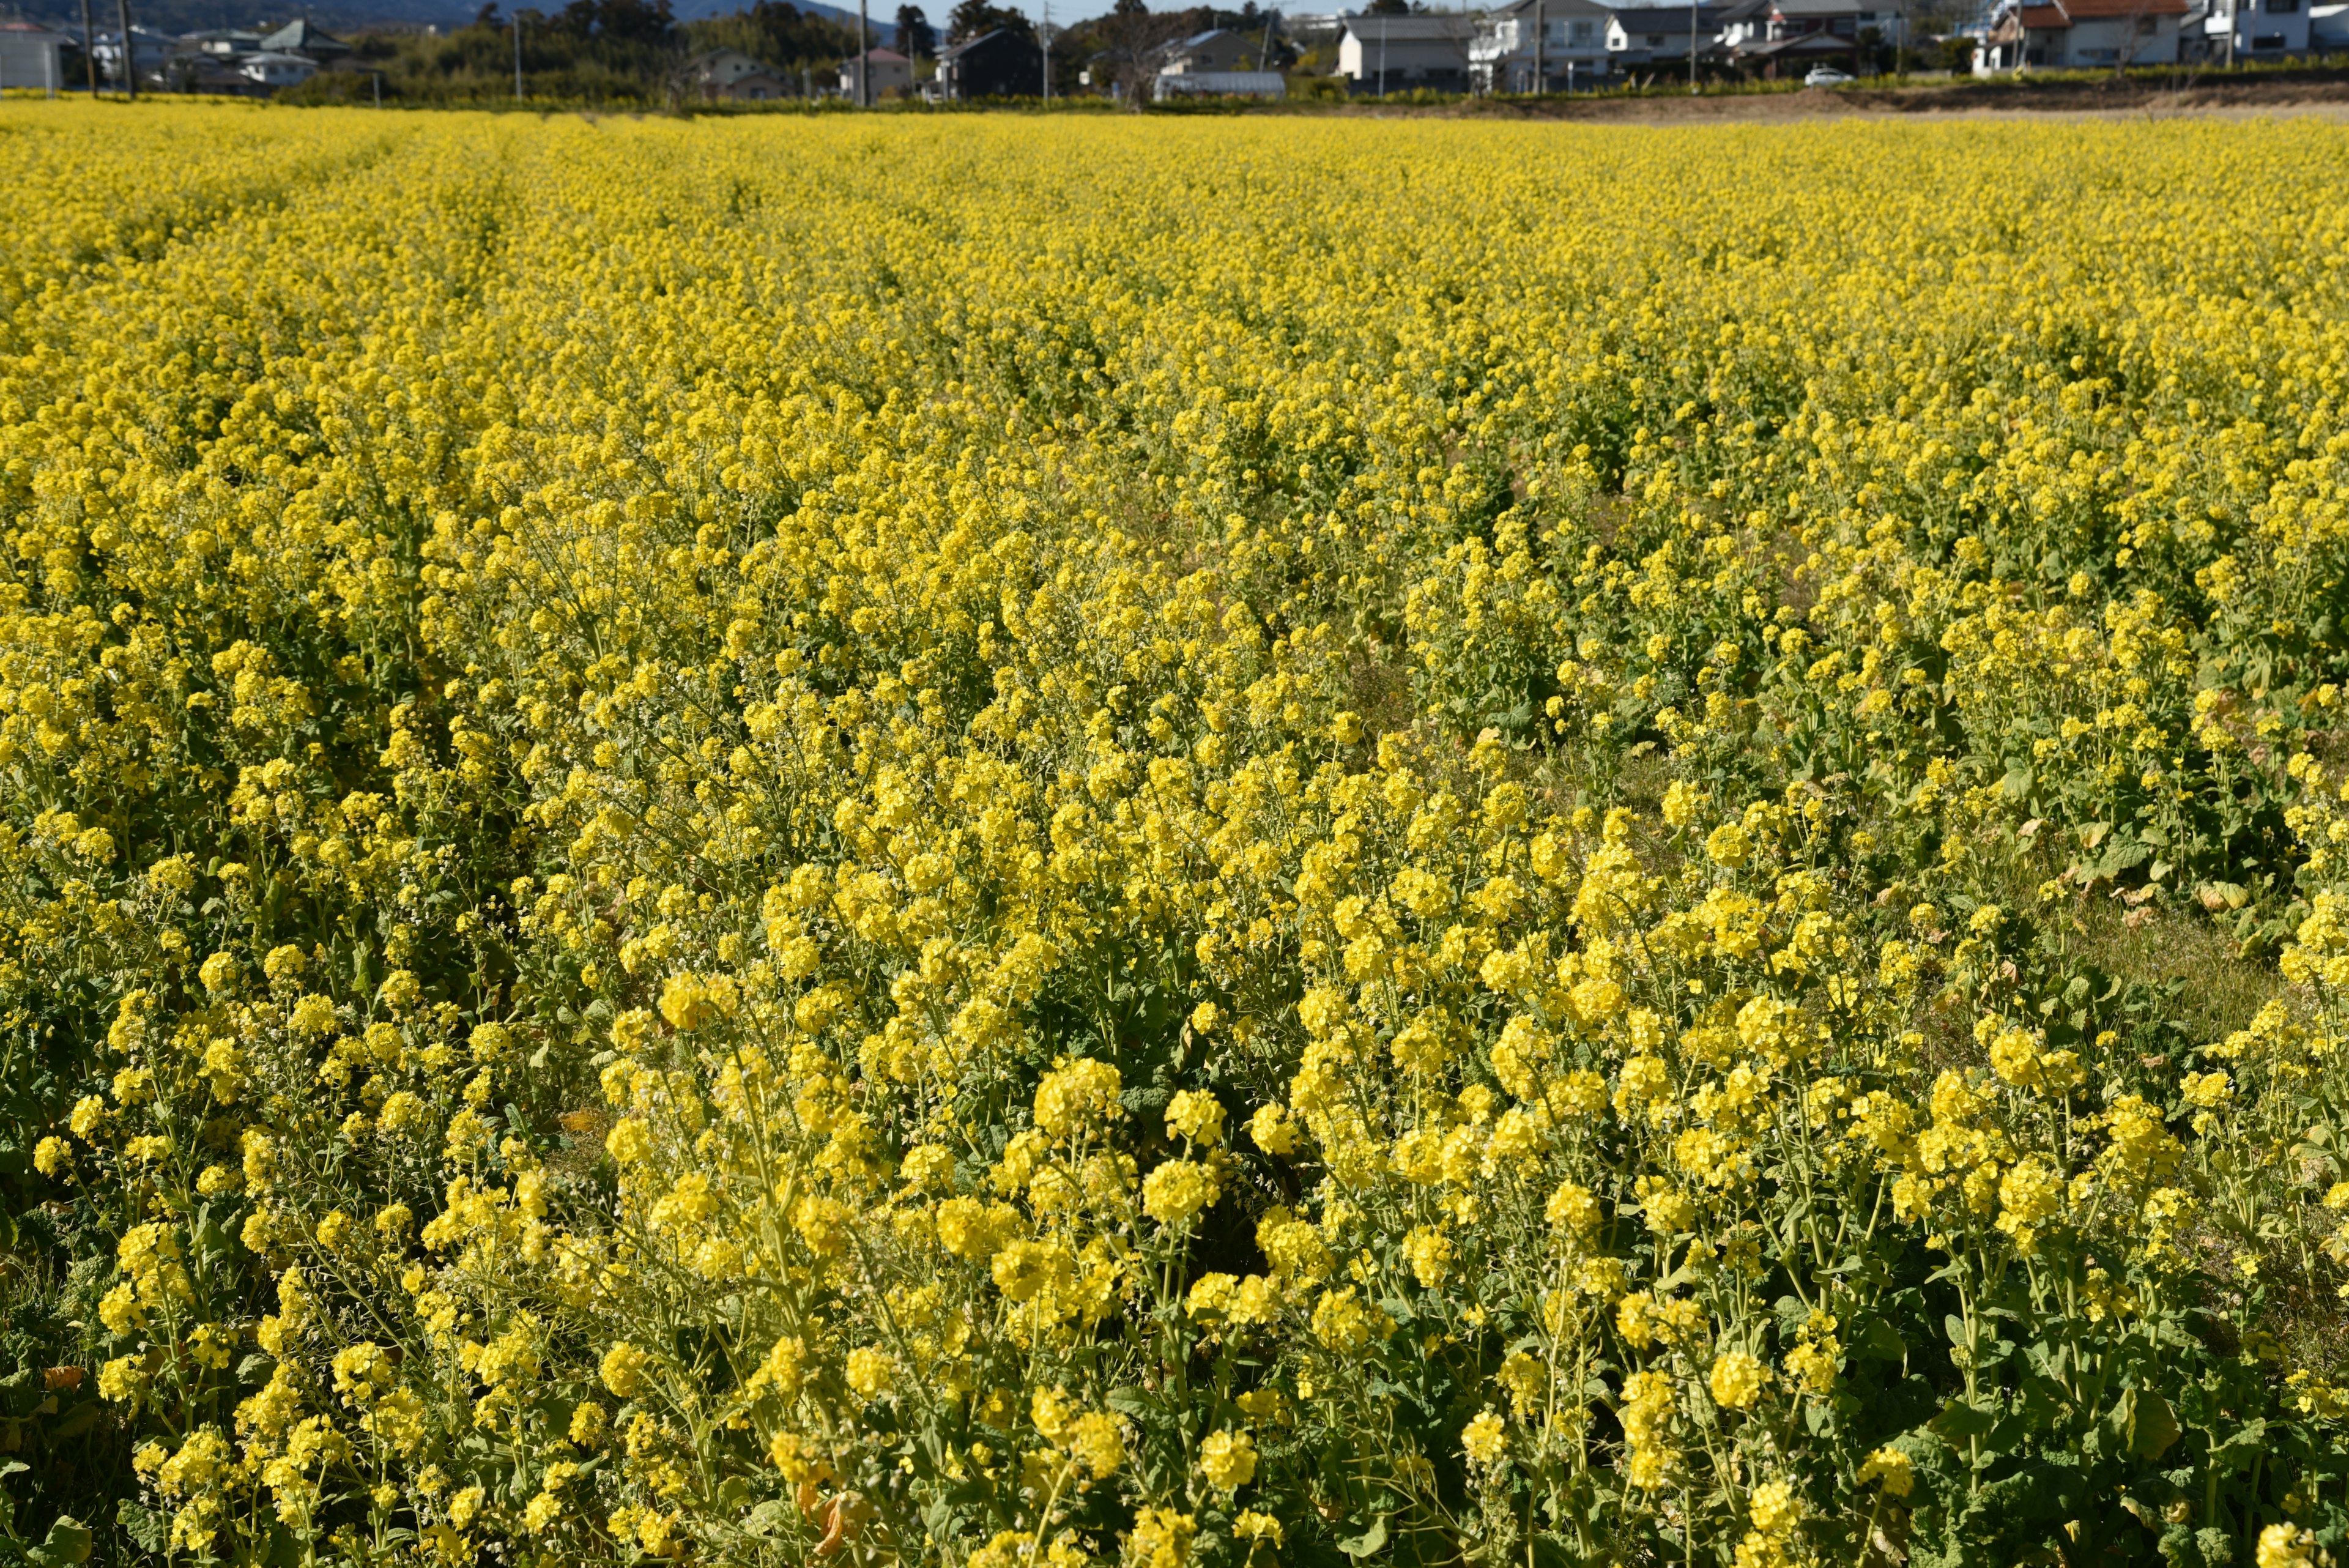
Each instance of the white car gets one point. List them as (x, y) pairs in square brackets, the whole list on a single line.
[(1826, 75)]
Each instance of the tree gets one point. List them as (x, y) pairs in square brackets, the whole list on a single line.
[(915, 37), (1130, 43), (975, 18), (778, 35)]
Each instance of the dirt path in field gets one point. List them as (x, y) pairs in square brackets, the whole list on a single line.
[(2326, 95)]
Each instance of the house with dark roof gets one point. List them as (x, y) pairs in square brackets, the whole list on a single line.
[(1000, 64), (1788, 37), (1379, 55), (1656, 37), (2073, 35), (300, 37), (1217, 49)]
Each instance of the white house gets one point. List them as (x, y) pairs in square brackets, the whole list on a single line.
[(276, 68), (1379, 55), (729, 74), (2081, 35), (1564, 40), (148, 53), (893, 76), (2258, 29), (29, 58), (224, 43)]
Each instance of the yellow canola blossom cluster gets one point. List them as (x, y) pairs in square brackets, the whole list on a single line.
[(1012, 842)]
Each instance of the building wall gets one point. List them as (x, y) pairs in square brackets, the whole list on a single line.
[(2263, 28), (29, 62), (889, 76), (1359, 58), (2104, 41)]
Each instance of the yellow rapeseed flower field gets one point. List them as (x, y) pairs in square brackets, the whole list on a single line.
[(1012, 842)]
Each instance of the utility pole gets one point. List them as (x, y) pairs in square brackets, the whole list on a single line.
[(377, 75), (517, 54), (1044, 34), (130, 60), (1382, 58), (89, 50), (1541, 82), (1692, 5), (864, 59)]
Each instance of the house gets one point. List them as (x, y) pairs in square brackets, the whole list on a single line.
[(149, 51), (223, 43), (1379, 55), (728, 75), (29, 56), (2074, 35), (1656, 37), (1572, 50), (893, 76), (195, 71), (276, 67), (1790, 37), (1173, 83), (2257, 29), (1217, 49), (1000, 64), (2328, 28), (759, 87), (299, 38)]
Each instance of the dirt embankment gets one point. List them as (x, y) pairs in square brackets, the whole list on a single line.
[(2185, 92)]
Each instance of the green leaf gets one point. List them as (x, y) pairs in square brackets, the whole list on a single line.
[(1368, 1542), (67, 1544), (1880, 1341), (2154, 1426), (1959, 1421), (145, 1526)]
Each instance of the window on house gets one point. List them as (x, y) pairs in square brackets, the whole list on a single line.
[(1583, 32), (2282, 7)]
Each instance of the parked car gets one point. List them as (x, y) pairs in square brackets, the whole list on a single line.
[(1826, 75)]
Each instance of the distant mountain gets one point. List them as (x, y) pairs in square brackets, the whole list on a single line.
[(702, 10), (349, 16), (196, 15)]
